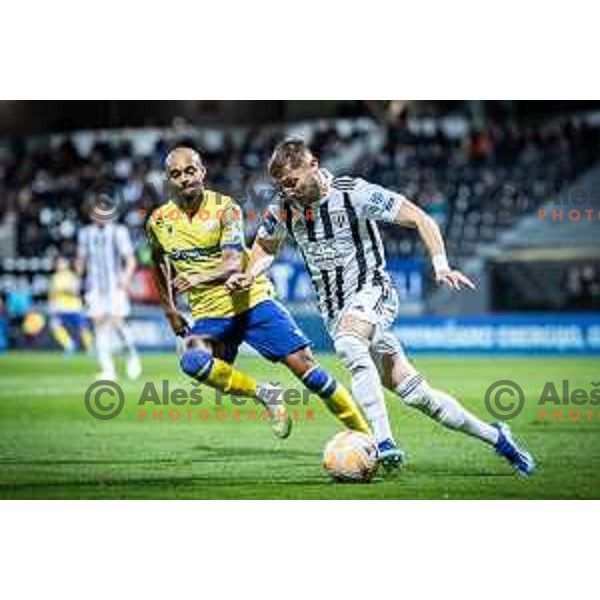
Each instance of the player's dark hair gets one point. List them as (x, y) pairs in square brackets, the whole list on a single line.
[(288, 153)]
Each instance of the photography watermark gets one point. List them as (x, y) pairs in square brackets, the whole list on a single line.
[(105, 400), (505, 200), (508, 200), (557, 401), (504, 399), (104, 200), (96, 402), (205, 414), (175, 214)]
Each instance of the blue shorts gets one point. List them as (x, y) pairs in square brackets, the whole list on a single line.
[(69, 319), (268, 327)]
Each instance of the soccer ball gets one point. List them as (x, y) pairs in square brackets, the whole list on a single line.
[(33, 323), (351, 456)]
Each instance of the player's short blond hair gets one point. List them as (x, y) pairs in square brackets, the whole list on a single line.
[(288, 153)]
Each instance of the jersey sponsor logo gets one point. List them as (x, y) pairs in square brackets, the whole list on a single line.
[(324, 254), (194, 254)]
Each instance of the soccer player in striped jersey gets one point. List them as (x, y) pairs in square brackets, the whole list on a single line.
[(105, 255), (341, 245), (197, 240)]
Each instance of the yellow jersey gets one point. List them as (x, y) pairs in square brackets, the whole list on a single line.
[(194, 243), (64, 292)]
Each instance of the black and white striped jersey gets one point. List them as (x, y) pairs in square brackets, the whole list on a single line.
[(103, 250), (338, 237)]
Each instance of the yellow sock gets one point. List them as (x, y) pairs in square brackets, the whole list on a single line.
[(336, 397), (86, 339), (228, 379), (61, 335), (341, 404)]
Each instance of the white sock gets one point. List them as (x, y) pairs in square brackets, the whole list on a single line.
[(104, 347), (443, 408), (126, 336), (366, 384)]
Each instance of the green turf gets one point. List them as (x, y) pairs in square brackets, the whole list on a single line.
[(50, 447)]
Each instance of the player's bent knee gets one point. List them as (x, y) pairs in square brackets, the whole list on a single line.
[(300, 362), (196, 363), (352, 350), (415, 391)]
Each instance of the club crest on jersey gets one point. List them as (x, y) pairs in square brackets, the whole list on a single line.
[(339, 219), (211, 225)]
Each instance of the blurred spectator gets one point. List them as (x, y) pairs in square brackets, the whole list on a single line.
[(449, 176)]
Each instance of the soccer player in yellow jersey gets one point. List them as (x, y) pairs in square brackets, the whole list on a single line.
[(66, 309), (197, 239)]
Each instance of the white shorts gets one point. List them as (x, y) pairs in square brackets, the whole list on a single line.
[(104, 305), (378, 305)]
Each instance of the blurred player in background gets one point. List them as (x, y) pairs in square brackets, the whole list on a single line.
[(341, 245), (198, 237), (105, 255), (66, 308)]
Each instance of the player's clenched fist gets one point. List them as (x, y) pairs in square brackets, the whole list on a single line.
[(238, 282), (454, 279), (186, 281), (178, 323)]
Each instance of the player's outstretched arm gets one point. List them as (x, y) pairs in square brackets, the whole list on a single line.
[(262, 255), (230, 264), (410, 215), (267, 243), (232, 247)]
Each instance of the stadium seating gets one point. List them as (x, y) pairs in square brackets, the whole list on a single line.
[(474, 190), (458, 175)]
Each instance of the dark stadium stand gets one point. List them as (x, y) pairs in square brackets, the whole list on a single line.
[(462, 176), (469, 183)]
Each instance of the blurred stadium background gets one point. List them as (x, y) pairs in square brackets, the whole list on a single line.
[(483, 169)]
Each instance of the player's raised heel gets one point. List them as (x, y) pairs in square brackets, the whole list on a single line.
[(107, 376), (134, 367), (517, 456), (280, 421), (389, 456)]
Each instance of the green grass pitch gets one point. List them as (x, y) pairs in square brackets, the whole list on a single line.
[(50, 447)]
